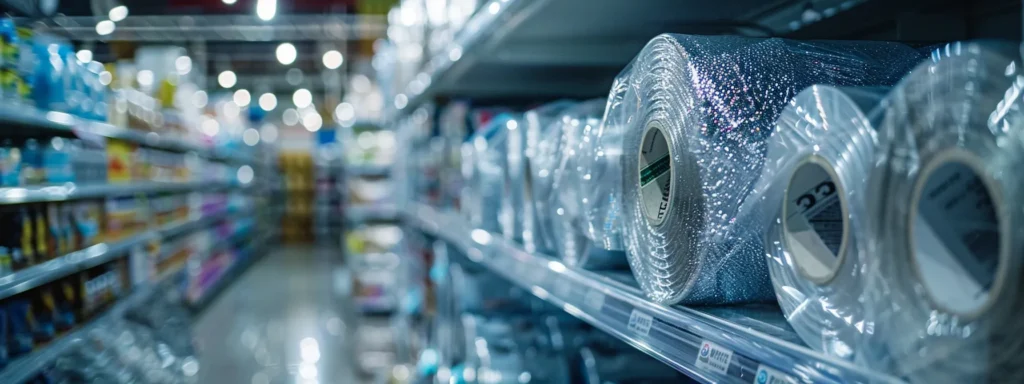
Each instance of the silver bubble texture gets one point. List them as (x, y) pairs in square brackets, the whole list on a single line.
[(566, 213), (539, 159), (815, 181), (692, 235), (962, 109), (483, 201)]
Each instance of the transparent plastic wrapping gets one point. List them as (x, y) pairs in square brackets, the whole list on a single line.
[(484, 197), (513, 201), (565, 210), (817, 168), (697, 111), (539, 158), (945, 270), (600, 177)]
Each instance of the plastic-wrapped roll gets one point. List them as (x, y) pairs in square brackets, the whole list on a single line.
[(818, 164), (488, 177), (600, 177), (539, 157), (696, 112), (945, 272), (566, 209), (513, 201)]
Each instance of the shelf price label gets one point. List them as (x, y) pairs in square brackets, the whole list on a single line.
[(594, 300), (640, 323), (767, 375), (713, 357)]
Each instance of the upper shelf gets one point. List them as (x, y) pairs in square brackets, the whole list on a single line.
[(22, 116), (752, 342), (573, 48), (73, 191)]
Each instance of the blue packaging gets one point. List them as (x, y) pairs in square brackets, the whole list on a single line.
[(48, 80), (21, 328), (57, 162), (32, 171)]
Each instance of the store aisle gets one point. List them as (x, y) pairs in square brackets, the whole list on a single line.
[(284, 321)]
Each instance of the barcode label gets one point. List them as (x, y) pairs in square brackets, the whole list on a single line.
[(713, 357), (640, 323), (766, 375), (594, 300)]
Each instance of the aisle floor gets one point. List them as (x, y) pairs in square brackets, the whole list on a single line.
[(285, 320)]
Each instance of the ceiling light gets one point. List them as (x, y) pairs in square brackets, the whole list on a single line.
[(242, 97), (84, 55), (229, 2), (312, 121), (266, 9), (344, 112), (227, 79), (118, 13), (286, 53), (268, 101), (333, 59), (183, 64), (302, 98), (105, 27)]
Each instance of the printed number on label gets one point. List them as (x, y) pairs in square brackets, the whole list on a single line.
[(766, 375), (594, 300), (640, 323), (713, 357)]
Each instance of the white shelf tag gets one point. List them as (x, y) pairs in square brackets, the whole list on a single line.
[(640, 323), (713, 357)]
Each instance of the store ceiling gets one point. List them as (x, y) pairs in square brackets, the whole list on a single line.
[(232, 36)]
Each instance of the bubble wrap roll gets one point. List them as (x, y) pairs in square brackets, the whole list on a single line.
[(815, 179), (566, 214), (539, 159), (946, 268), (697, 111), (510, 215), (600, 162), (485, 197)]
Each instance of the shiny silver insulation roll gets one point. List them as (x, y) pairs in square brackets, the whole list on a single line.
[(945, 276), (539, 158), (696, 112), (815, 180)]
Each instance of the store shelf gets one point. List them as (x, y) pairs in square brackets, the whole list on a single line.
[(23, 369), (37, 275), (376, 212), (757, 339), (72, 191), (534, 49), (368, 170), (25, 116), (234, 271)]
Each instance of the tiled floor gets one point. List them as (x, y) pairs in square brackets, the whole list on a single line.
[(286, 320)]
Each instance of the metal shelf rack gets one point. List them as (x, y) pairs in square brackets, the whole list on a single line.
[(711, 345), (72, 191)]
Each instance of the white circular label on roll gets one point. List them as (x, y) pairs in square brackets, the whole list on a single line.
[(655, 174), (956, 237), (815, 223)]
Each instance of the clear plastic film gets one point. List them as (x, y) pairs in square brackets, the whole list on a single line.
[(565, 209), (945, 266), (539, 157), (817, 167), (696, 112), (513, 200), (600, 177), (484, 197)]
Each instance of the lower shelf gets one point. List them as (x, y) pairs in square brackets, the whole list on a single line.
[(751, 344)]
